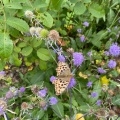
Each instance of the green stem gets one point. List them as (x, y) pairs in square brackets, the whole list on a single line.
[(49, 5)]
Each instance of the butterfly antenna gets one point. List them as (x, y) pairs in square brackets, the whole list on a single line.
[(70, 92)]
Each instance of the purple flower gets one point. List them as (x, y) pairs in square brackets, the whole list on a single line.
[(61, 58), (89, 84), (53, 101), (112, 64), (42, 93), (22, 89), (52, 78), (14, 90), (98, 102), (9, 94), (86, 24), (114, 50), (94, 94), (72, 83), (2, 72), (106, 53), (82, 38), (101, 70), (78, 58), (79, 30), (89, 53), (1, 110)]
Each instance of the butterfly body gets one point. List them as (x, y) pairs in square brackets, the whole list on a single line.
[(63, 77)]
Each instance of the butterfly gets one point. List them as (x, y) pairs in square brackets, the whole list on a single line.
[(63, 77)]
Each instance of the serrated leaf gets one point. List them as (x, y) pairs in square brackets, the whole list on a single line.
[(97, 10), (47, 20), (58, 109), (43, 54), (79, 8), (18, 24), (27, 51), (6, 45)]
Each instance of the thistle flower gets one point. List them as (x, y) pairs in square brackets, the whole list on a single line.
[(42, 93), (29, 14), (14, 90), (114, 50), (86, 24), (94, 94), (72, 83), (44, 33), (112, 64), (38, 30), (53, 101), (32, 31), (53, 35), (35, 89), (98, 102), (106, 53), (79, 30), (24, 106), (78, 59), (89, 84), (52, 78), (9, 95), (101, 70), (3, 106), (82, 38), (22, 89), (61, 58)]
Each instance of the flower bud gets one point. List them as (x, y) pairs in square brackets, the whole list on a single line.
[(29, 14), (44, 33)]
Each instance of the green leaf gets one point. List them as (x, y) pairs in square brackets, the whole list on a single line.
[(47, 20), (110, 16), (57, 4), (22, 44), (2, 64), (36, 42), (43, 54), (27, 51), (18, 24), (13, 6), (97, 10), (58, 109), (86, 1), (116, 100), (43, 65), (79, 8), (6, 46)]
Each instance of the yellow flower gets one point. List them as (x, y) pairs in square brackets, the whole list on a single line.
[(83, 75), (98, 61), (104, 80), (79, 115)]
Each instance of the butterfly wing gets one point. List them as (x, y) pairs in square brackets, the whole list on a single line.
[(61, 84), (63, 69)]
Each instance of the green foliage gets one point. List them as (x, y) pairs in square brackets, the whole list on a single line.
[(29, 57)]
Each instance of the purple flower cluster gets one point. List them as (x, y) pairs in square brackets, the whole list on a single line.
[(114, 50), (22, 89), (89, 84), (61, 58), (112, 64), (82, 38), (78, 59), (42, 93), (53, 101), (72, 83), (86, 24), (98, 102), (94, 94), (101, 70), (52, 78)]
